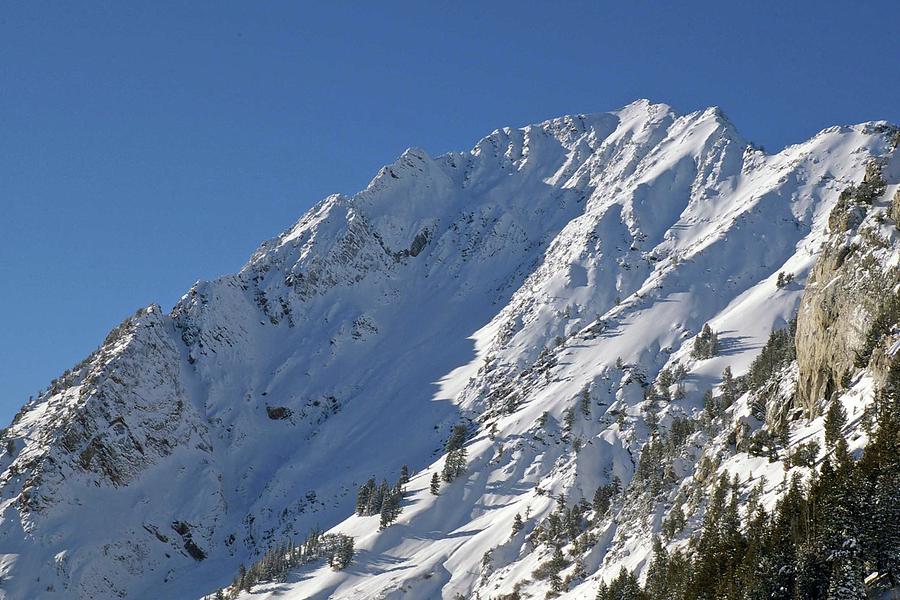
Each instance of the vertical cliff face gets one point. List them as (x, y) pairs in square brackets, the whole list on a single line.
[(571, 262), (850, 304)]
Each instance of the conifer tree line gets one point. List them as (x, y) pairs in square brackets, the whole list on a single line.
[(384, 500), (279, 560), (834, 537)]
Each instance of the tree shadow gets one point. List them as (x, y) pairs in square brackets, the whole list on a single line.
[(731, 345)]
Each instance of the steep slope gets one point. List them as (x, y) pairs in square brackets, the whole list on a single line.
[(497, 287)]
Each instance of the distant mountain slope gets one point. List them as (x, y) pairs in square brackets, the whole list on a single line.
[(531, 288)]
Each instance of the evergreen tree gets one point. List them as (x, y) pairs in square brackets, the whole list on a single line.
[(602, 500), (404, 475), (880, 475), (657, 584), (585, 402), (835, 420), (708, 561), (243, 583), (732, 547), (364, 496), (343, 553), (602, 591), (674, 523), (551, 567), (435, 484), (457, 438), (376, 499), (847, 581), (456, 462), (454, 465), (517, 524), (710, 406), (729, 389), (568, 419), (706, 344), (624, 587), (390, 507)]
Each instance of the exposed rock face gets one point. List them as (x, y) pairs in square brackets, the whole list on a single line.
[(895, 207), (849, 287)]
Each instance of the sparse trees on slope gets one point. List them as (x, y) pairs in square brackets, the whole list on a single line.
[(383, 500), (280, 559)]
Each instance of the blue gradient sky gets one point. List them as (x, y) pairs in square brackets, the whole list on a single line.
[(144, 146)]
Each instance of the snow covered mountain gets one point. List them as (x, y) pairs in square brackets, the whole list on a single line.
[(545, 288)]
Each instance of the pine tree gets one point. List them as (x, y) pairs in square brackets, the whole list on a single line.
[(835, 420), (435, 484), (455, 463), (652, 421), (568, 419), (732, 547), (706, 344), (457, 438), (364, 496), (710, 406), (517, 524), (674, 523), (556, 584), (657, 584), (243, 583), (376, 499), (390, 507), (343, 553), (624, 587), (585, 402), (404, 475), (729, 389), (602, 500), (847, 581), (880, 470)]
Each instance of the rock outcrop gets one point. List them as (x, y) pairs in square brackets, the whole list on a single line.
[(850, 289)]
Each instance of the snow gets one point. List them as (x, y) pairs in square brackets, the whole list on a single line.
[(619, 233)]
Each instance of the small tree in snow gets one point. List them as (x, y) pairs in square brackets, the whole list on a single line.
[(706, 345)]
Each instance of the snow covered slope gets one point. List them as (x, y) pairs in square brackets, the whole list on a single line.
[(576, 258)]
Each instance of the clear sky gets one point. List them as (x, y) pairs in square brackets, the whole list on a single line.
[(146, 145)]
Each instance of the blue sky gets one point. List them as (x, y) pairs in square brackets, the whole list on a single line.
[(144, 146)]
